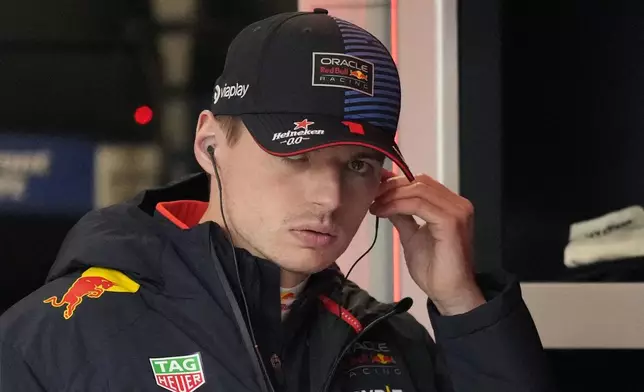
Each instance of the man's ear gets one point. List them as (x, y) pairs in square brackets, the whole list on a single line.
[(207, 134)]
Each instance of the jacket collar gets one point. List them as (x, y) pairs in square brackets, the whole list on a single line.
[(186, 200)]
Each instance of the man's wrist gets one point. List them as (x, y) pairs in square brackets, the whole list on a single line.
[(464, 301)]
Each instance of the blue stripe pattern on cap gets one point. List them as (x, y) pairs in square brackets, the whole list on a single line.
[(383, 109)]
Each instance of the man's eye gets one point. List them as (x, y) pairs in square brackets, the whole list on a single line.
[(361, 167)]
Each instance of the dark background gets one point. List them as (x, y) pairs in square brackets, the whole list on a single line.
[(77, 70), (551, 133), (551, 122)]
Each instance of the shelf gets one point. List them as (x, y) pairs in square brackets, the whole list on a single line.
[(587, 315)]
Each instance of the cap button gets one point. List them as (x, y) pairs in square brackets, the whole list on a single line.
[(320, 11)]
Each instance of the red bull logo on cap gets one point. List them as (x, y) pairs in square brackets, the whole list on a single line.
[(92, 284), (359, 74)]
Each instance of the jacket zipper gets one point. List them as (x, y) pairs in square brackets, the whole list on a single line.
[(260, 371), (276, 362), (337, 360)]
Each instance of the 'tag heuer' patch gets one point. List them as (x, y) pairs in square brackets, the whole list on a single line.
[(344, 71)]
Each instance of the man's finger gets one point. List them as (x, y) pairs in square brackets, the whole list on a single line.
[(391, 182), (415, 206), (406, 226), (451, 203), (429, 180)]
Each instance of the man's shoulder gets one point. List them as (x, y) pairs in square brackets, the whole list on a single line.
[(81, 307)]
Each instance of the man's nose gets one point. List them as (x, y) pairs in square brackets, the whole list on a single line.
[(325, 188)]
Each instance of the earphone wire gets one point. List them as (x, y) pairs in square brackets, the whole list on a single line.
[(346, 277), (241, 287)]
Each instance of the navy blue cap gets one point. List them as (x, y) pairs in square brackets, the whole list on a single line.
[(302, 81)]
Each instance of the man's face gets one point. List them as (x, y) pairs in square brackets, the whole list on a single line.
[(300, 212)]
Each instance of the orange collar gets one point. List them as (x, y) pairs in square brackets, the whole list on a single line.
[(183, 213)]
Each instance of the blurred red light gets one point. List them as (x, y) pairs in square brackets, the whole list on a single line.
[(143, 115)]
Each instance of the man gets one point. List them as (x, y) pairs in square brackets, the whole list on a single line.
[(227, 281)]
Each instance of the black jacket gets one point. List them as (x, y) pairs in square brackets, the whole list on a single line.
[(173, 317)]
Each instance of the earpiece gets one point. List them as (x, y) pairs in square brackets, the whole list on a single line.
[(211, 152)]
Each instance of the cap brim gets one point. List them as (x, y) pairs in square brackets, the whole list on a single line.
[(279, 134)]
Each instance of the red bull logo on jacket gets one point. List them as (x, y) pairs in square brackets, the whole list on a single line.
[(383, 359), (372, 359), (92, 284)]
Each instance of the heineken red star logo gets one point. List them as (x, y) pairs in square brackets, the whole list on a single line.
[(178, 374), (304, 124)]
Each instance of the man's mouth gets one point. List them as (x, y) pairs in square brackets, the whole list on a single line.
[(317, 229), (315, 236)]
